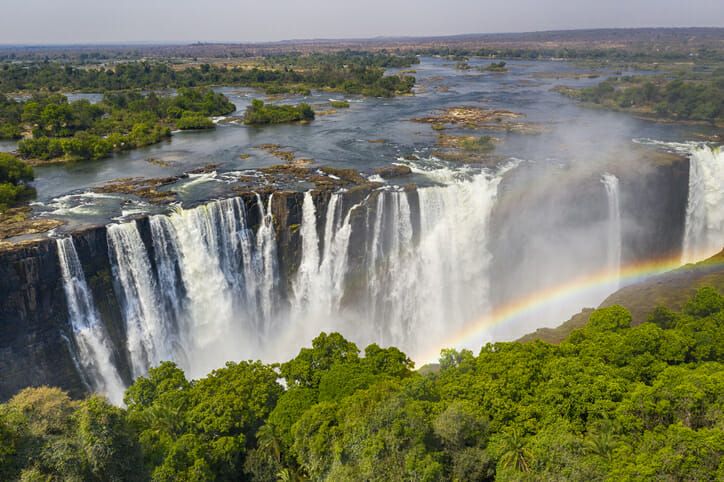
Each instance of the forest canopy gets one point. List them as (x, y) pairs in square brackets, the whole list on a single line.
[(611, 402)]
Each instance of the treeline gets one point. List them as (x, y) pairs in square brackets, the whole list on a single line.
[(702, 54), (80, 130), (354, 73), (344, 58), (612, 402), (701, 99), (258, 113), (14, 176)]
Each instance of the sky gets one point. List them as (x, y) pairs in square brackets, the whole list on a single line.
[(183, 21)]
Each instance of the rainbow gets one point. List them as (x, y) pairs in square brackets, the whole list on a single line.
[(475, 332)]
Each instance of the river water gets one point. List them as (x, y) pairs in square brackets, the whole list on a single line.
[(342, 139)]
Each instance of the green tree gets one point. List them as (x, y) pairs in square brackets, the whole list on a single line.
[(514, 451), (612, 318), (705, 302), (307, 369)]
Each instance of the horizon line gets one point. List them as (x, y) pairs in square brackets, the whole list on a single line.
[(379, 38)]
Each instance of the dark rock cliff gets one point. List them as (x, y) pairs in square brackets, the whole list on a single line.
[(34, 325)]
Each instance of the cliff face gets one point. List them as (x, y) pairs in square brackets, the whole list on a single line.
[(528, 230), (655, 211), (34, 321)]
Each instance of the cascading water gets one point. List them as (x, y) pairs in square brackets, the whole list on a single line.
[(704, 230), (94, 353), (208, 290), (149, 337), (222, 277), (614, 227), (415, 287), (319, 285)]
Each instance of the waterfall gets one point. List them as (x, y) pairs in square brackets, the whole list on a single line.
[(206, 290), (319, 284), (266, 251), (409, 283), (309, 265), (704, 228), (94, 352), (221, 277), (614, 227), (149, 338)]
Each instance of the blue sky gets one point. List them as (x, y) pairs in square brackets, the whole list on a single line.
[(103, 21)]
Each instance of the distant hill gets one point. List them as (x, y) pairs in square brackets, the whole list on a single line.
[(672, 40)]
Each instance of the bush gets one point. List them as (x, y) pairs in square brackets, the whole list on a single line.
[(13, 170), (194, 120), (258, 113), (482, 143)]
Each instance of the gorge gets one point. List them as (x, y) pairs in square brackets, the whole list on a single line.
[(256, 275)]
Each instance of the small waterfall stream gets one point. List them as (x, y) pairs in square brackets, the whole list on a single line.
[(614, 227), (94, 351)]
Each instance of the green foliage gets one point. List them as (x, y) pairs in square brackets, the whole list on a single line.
[(109, 446), (14, 173), (307, 369), (612, 402), (194, 120), (165, 380), (340, 104), (13, 170), (705, 302), (122, 121), (498, 67), (258, 113), (288, 410), (482, 143), (612, 318), (201, 430), (55, 438), (280, 73), (700, 99), (663, 318)]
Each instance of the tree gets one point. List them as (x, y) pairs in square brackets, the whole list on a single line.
[(14, 171), (307, 369), (612, 318), (14, 174), (165, 379), (705, 302), (514, 452), (110, 448)]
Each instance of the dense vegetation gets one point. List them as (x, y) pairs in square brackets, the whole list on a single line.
[(14, 174), (350, 72), (563, 52), (80, 130), (690, 96), (612, 402), (258, 113)]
